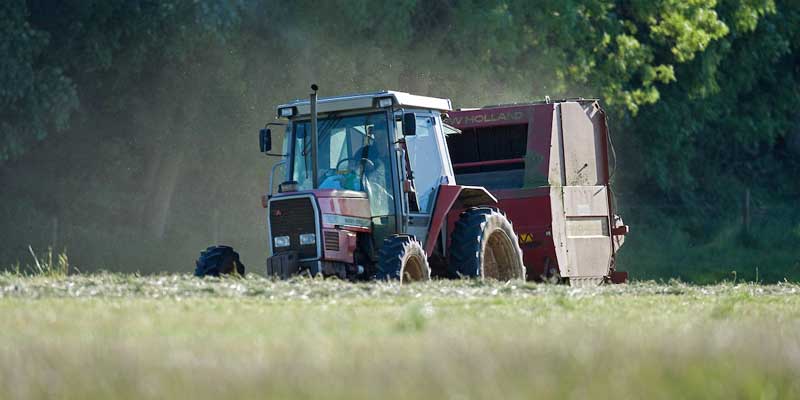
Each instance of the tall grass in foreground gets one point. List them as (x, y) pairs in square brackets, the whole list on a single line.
[(47, 264), (128, 337)]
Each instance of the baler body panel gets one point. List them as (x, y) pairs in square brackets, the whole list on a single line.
[(553, 185), (529, 211)]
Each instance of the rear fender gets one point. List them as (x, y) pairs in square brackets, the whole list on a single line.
[(453, 197)]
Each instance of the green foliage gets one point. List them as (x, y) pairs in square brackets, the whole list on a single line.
[(35, 97), (663, 248), (686, 27), (55, 62), (722, 126), (611, 47), (625, 51)]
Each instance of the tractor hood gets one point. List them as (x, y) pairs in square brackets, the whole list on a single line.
[(338, 208)]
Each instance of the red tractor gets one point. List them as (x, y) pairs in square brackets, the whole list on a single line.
[(370, 192)]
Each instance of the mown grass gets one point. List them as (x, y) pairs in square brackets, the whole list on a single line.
[(125, 336)]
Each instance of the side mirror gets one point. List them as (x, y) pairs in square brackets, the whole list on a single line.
[(409, 124), (265, 139)]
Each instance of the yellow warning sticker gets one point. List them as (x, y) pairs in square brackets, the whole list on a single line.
[(525, 238)]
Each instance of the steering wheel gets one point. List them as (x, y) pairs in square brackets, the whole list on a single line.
[(368, 161)]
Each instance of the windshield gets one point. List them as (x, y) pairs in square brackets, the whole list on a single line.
[(353, 155)]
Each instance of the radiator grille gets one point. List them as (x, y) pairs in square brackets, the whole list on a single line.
[(331, 240), (293, 217)]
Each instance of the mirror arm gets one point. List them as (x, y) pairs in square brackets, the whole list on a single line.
[(275, 123)]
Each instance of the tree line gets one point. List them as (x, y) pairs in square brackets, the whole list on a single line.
[(132, 121)]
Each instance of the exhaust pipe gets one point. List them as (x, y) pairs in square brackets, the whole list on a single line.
[(315, 170)]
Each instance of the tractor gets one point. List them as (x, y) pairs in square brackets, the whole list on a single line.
[(369, 191)]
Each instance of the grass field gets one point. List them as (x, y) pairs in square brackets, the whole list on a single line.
[(121, 336)]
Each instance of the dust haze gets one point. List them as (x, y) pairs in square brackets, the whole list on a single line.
[(147, 187)]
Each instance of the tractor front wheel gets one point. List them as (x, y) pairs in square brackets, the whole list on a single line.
[(219, 260), (484, 245), (403, 258)]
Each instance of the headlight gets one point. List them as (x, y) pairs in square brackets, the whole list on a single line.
[(307, 238), (281, 241)]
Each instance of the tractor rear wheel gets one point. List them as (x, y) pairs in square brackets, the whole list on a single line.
[(219, 260), (484, 245), (403, 258)]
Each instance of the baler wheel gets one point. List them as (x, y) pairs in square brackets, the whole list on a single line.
[(219, 260), (484, 245), (403, 258)]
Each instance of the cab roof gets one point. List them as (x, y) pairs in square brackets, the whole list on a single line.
[(368, 100)]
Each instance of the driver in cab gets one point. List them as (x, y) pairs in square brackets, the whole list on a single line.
[(368, 169), (377, 170)]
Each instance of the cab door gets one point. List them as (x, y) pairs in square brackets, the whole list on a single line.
[(426, 153)]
